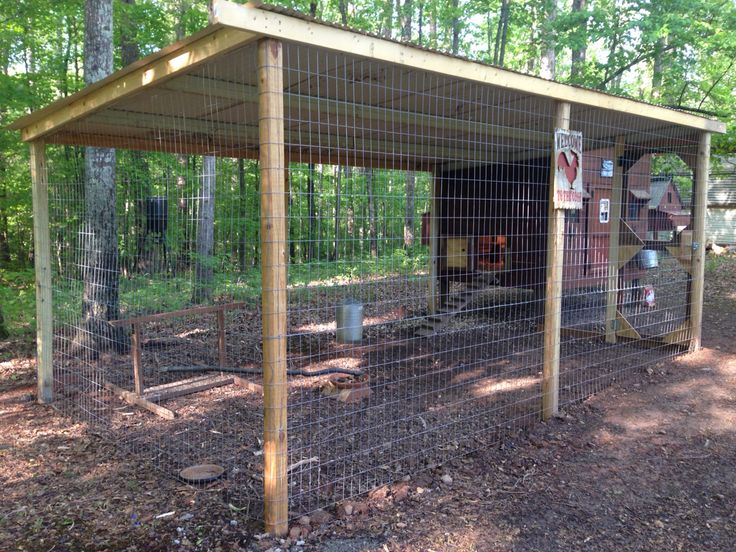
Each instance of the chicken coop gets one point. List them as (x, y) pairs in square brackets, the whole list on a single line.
[(301, 262)]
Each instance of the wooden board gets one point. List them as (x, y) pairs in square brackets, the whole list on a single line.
[(135, 400), (186, 387), (42, 261)]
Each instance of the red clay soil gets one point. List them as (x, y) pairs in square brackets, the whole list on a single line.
[(649, 464)]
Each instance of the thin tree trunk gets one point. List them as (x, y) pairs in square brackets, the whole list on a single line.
[(501, 33), (455, 26), (101, 271), (409, 210), (311, 213), (548, 60), (658, 68), (580, 47), (243, 213), (406, 14), (336, 243), (203, 268), (372, 235)]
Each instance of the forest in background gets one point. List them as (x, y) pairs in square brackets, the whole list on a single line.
[(674, 52)]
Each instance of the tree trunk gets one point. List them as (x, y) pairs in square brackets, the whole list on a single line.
[(388, 19), (658, 68), (580, 38), (501, 33), (406, 14), (100, 300), (336, 243), (455, 22), (343, 7), (243, 213), (311, 231), (203, 268), (409, 211), (547, 60), (372, 223)]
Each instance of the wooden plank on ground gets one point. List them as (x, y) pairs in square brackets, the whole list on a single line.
[(135, 400), (187, 387)]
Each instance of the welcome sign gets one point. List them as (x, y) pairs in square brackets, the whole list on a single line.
[(568, 169)]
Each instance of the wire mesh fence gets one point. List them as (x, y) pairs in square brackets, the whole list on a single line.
[(416, 247)]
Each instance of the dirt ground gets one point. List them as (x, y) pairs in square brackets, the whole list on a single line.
[(647, 464)]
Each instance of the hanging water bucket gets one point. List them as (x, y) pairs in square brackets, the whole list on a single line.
[(648, 259), (349, 321)]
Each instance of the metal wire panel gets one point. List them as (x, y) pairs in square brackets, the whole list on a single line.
[(417, 207)]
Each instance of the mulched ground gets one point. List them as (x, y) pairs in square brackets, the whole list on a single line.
[(643, 465)]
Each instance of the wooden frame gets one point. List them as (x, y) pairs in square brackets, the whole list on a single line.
[(42, 260), (273, 275), (553, 280), (614, 239), (137, 322)]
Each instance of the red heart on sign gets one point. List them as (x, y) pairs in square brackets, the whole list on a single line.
[(570, 166)]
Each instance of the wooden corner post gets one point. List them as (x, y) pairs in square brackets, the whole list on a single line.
[(614, 230), (273, 278), (553, 281), (42, 259), (700, 197), (434, 248)]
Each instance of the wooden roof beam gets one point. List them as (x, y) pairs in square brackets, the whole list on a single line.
[(312, 33), (148, 73)]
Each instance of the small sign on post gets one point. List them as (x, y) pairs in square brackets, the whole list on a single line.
[(568, 169)]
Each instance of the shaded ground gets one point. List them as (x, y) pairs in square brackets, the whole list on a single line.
[(644, 465)]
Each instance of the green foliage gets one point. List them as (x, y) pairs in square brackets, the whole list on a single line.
[(18, 302)]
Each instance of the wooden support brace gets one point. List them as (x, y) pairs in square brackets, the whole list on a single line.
[(553, 285), (42, 260)]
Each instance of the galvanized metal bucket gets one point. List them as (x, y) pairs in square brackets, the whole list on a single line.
[(648, 259), (349, 321)]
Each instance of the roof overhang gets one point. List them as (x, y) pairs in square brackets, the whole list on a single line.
[(156, 103)]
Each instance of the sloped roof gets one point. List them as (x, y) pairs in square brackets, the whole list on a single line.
[(202, 94), (722, 192), (659, 186)]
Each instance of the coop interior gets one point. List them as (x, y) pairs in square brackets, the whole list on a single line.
[(416, 232)]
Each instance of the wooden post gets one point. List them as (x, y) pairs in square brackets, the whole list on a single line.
[(42, 259), (221, 338), (274, 250), (553, 281), (614, 230), (434, 248), (135, 344), (700, 197)]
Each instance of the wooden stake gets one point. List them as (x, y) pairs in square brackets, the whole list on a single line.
[(42, 259), (135, 345), (221, 338), (274, 249), (433, 302), (553, 282), (614, 229), (700, 196)]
